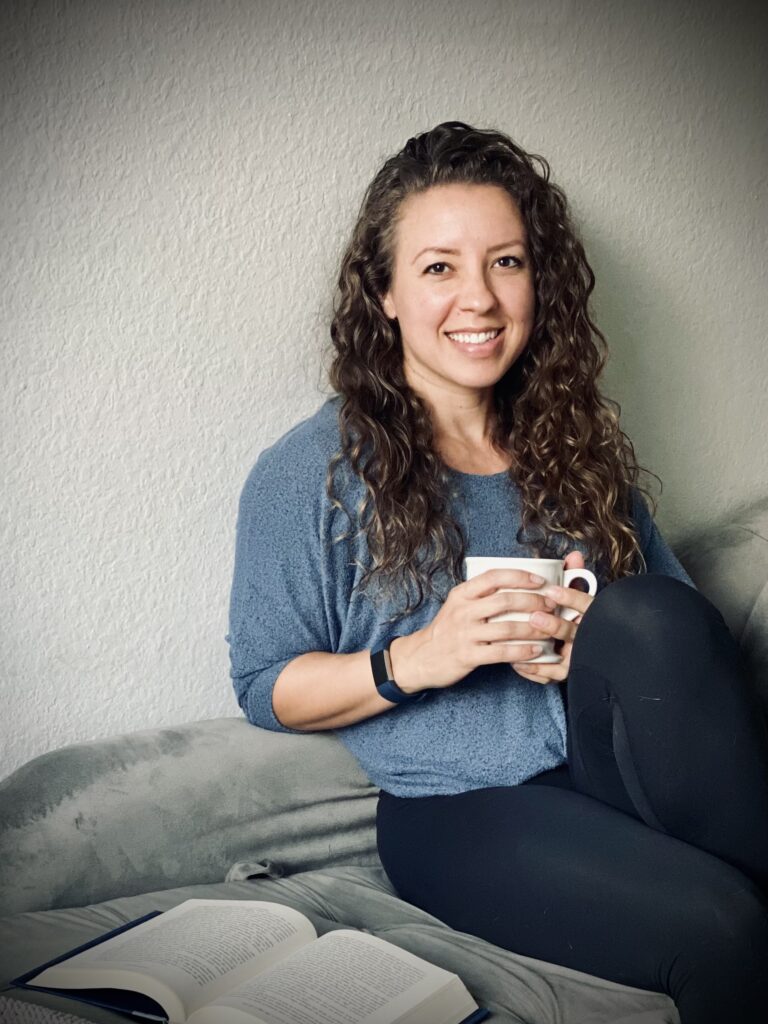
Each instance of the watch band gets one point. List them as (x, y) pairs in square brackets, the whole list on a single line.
[(385, 684)]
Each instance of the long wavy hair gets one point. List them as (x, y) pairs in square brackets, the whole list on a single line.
[(572, 463)]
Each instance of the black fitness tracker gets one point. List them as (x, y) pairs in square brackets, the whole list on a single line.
[(385, 684)]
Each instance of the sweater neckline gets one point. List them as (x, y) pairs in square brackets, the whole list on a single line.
[(503, 475)]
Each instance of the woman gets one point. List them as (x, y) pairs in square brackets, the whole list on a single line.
[(618, 825)]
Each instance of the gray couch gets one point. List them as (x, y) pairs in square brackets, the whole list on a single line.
[(94, 835)]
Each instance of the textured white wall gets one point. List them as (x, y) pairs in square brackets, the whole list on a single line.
[(176, 182)]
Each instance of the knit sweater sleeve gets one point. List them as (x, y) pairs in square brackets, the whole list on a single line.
[(659, 557), (287, 595)]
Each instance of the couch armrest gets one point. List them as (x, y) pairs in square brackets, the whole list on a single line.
[(177, 806)]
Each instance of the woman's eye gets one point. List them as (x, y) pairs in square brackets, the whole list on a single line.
[(431, 268), (515, 261)]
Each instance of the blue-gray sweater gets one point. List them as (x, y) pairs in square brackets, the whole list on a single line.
[(294, 592)]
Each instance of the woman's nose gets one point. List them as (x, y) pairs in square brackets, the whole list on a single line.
[(476, 294)]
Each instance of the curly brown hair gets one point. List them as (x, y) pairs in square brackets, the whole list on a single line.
[(574, 466)]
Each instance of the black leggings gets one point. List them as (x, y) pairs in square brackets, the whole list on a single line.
[(645, 860)]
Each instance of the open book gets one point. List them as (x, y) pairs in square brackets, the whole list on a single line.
[(252, 962)]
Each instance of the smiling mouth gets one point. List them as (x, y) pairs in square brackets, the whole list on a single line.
[(474, 337)]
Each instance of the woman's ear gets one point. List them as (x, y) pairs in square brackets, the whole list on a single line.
[(388, 306)]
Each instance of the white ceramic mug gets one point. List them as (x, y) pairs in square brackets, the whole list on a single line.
[(553, 571)]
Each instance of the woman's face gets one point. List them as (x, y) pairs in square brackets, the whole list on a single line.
[(462, 288)]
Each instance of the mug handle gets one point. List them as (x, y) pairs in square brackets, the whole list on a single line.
[(577, 574)]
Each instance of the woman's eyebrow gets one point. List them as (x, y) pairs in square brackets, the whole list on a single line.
[(453, 252)]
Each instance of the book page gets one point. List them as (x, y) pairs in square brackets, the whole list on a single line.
[(345, 977), (197, 951)]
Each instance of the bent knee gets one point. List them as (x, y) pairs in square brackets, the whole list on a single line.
[(650, 589), (652, 605)]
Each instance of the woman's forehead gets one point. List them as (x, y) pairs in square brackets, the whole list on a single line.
[(452, 213)]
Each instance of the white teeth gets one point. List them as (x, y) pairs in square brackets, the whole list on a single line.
[(474, 338)]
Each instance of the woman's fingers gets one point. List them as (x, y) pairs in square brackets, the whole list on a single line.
[(558, 627), (568, 597), (541, 673), (498, 653), (498, 632), (505, 601), (554, 626), (497, 579), (547, 673)]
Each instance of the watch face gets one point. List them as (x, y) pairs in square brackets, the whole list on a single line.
[(388, 663)]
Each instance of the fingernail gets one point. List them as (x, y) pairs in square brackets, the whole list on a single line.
[(537, 648), (539, 619), (534, 578)]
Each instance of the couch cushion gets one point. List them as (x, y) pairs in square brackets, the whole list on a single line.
[(517, 989), (169, 807)]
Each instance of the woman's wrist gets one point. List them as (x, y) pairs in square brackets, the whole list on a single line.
[(404, 664)]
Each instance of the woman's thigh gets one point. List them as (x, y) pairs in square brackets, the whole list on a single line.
[(559, 876)]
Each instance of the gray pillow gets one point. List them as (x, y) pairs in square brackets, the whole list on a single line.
[(169, 807), (729, 564)]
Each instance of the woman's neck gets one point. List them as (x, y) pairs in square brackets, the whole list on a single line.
[(463, 437)]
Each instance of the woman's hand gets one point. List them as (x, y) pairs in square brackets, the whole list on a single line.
[(460, 638), (558, 628)]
